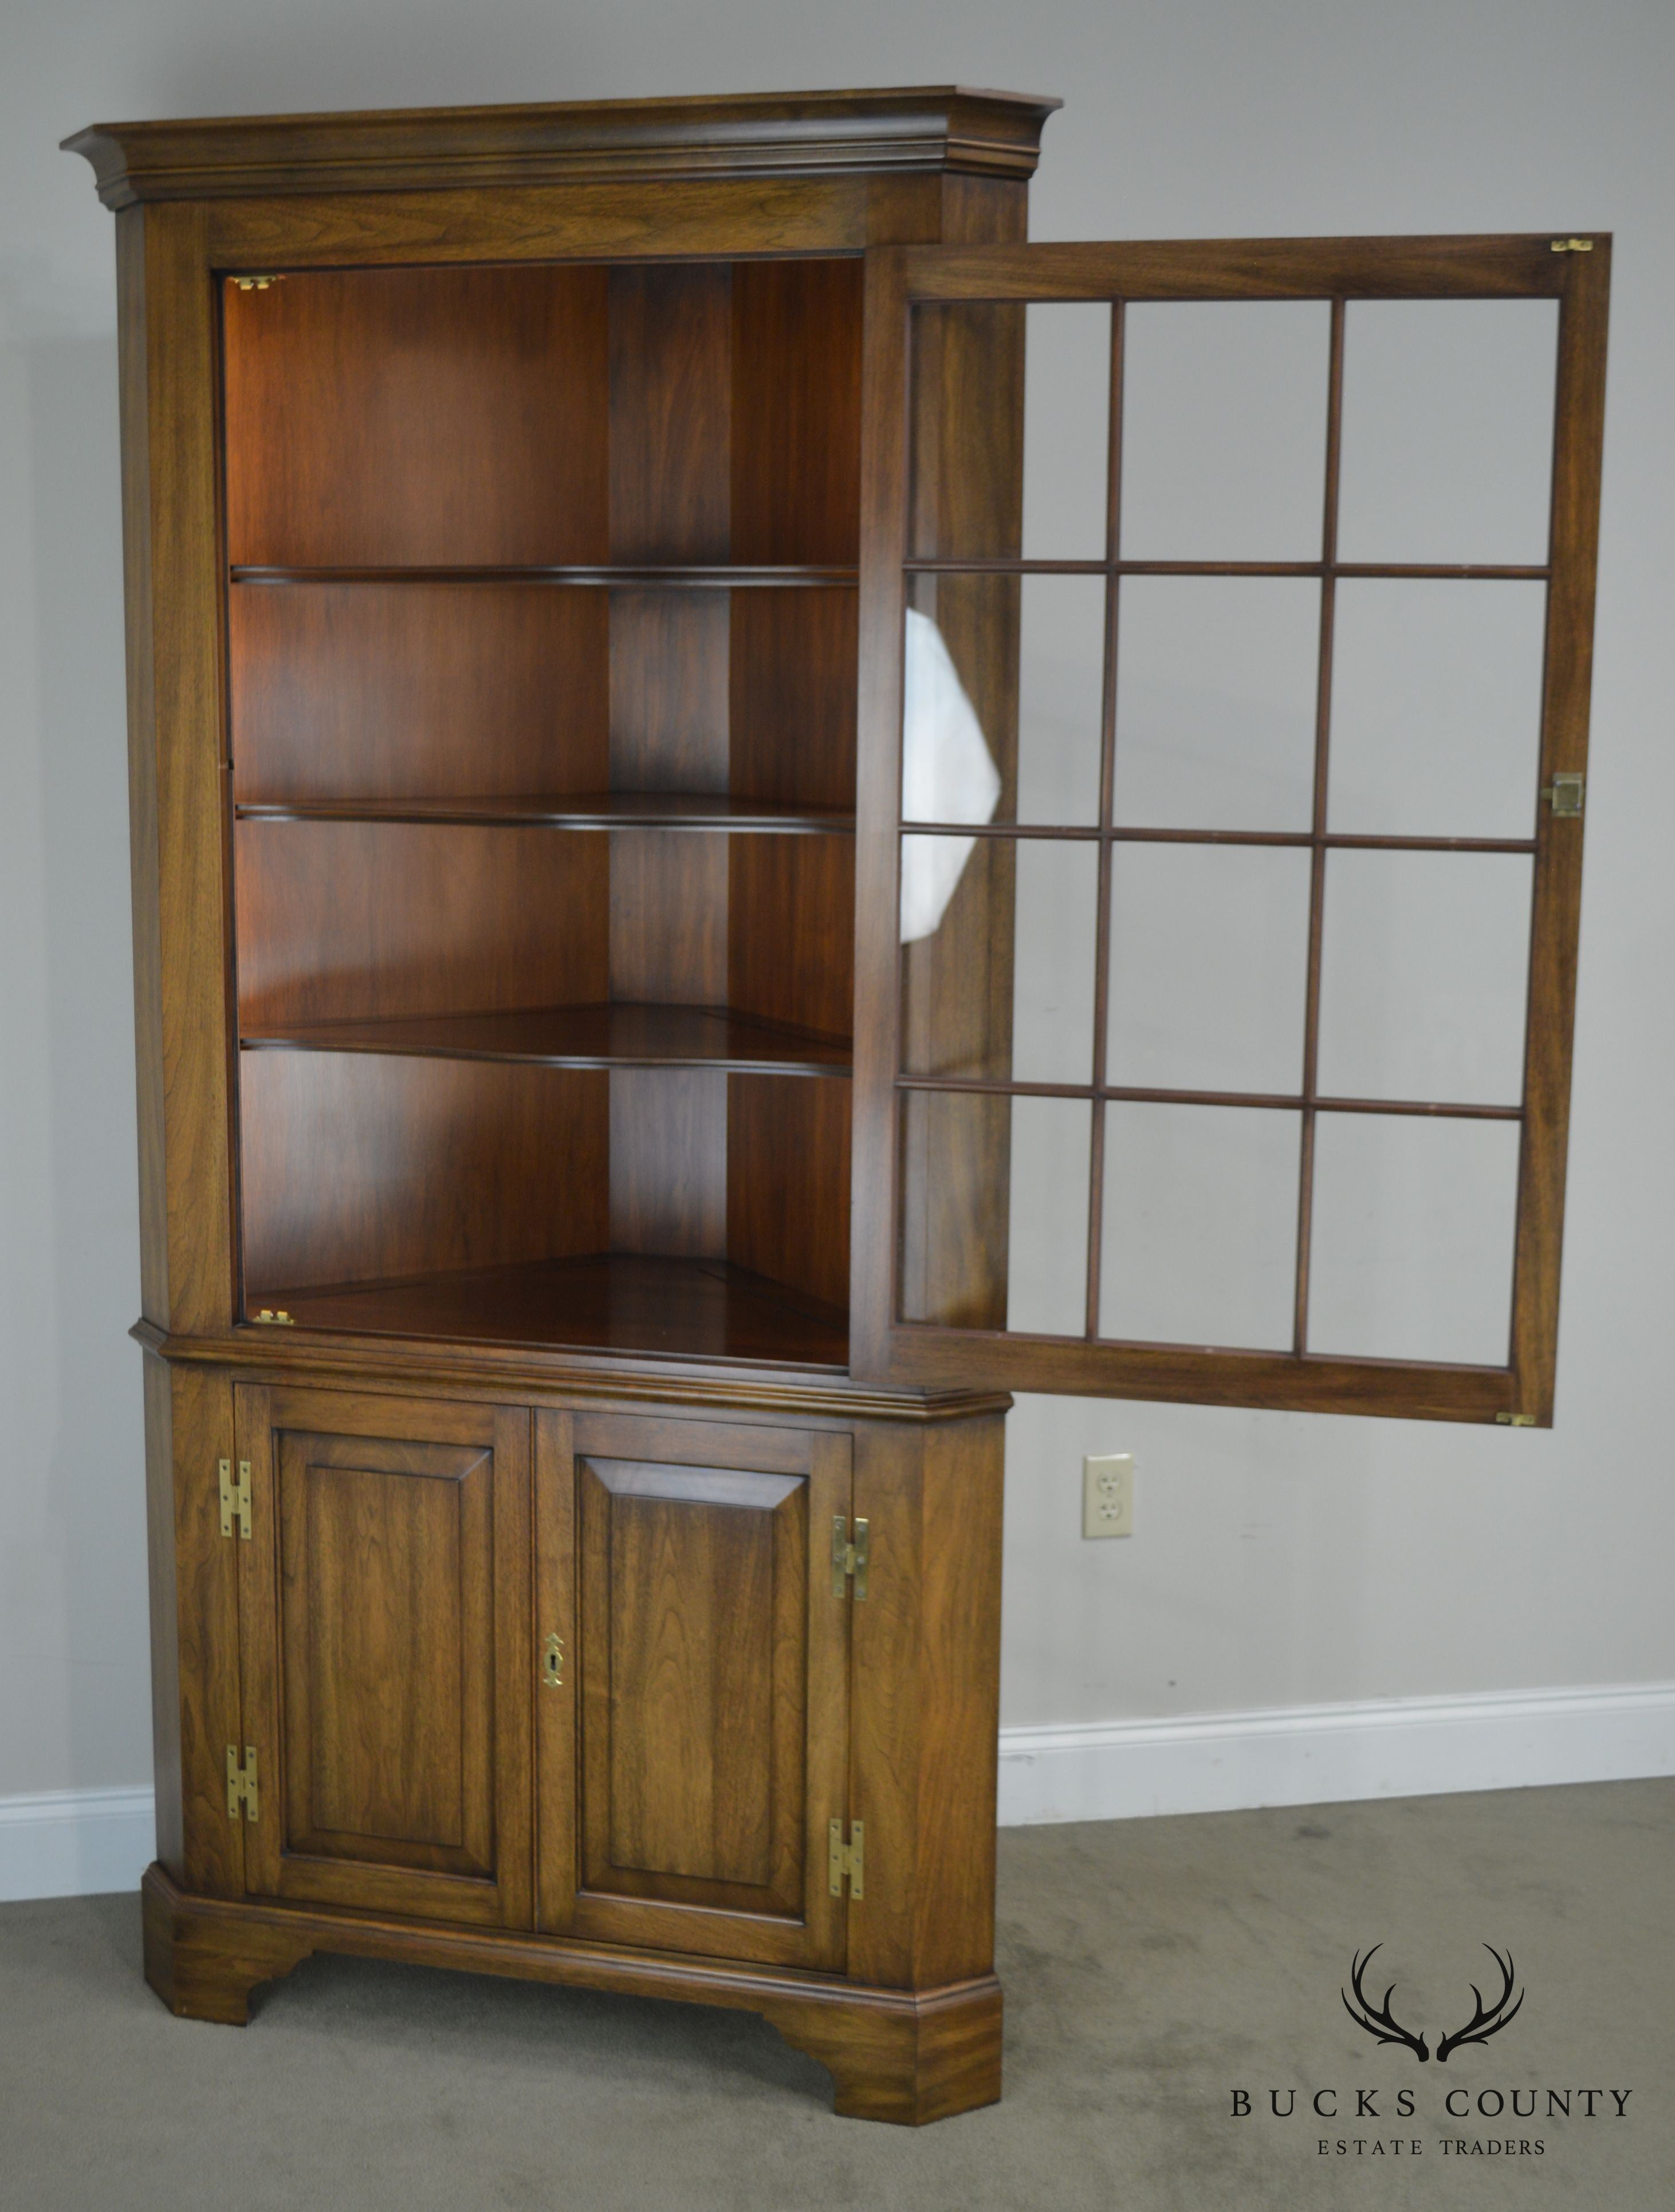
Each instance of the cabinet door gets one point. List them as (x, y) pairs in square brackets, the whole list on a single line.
[(686, 1567), (384, 1616), (1223, 712)]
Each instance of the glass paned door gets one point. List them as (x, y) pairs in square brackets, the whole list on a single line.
[(1227, 624)]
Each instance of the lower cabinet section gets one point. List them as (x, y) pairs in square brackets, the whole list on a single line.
[(612, 1696)]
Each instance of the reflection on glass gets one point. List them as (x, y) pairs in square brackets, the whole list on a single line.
[(1200, 1225), (1208, 967), (1448, 430), (1047, 1239), (1412, 1255), (1422, 978), (1216, 684), (1224, 430), (1436, 708), (948, 774), (1067, 406), (1061, 694)]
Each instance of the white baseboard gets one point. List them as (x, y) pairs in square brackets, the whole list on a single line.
[(1327, 1754), (72, 1843)]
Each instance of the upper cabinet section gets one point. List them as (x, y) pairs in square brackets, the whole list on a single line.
[(931, 127)]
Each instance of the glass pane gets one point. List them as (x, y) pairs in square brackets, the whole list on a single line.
[(1411, 1255), (961, 355), (994, 1227), (955, 993), (953, 757), (1200, 1235), (1208, 967), (1447, 429), (1224, 430), (1067, 425), (1425, 960), (1052, 988), (1061, 689), (1047, 1242), (1217, 679), (1436, 708)]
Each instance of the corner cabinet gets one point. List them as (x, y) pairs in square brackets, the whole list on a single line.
[(760, 812)]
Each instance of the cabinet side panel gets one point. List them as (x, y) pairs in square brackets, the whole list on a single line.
[(959, 1693), (141, 760), (206, 1622), (985, 211), (884, 1718), (187, 750), (165, 1617)]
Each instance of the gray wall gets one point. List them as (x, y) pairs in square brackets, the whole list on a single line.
[(1278, 1558)]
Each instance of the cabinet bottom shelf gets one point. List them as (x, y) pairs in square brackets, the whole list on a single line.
[(610, 1302)]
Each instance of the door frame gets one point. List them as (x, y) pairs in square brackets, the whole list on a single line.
[(887, 1351)]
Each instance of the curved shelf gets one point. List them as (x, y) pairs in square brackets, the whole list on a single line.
[(621, 1303), (713, 576), (596, 809), (619, 1035)]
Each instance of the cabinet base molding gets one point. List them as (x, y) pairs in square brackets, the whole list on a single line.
[(904, 2055)]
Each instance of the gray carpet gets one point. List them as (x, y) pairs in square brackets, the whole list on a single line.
[(1151, 1968)]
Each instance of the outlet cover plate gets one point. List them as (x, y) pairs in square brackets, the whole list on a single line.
[(1107, 1495)]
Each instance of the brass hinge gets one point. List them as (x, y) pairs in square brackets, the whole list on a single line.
[(848, 1858), (235, 1499), (849, 1560), (280, 1320), (1564, 793), (1573, 245), (1516, 1420), (241, 1781), (261, 284)]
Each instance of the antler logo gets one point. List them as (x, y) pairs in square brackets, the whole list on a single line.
[(1382, 2025)]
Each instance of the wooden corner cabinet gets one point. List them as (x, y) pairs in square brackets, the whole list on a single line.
[(659, 797)]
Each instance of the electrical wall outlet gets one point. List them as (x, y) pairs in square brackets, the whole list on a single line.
[(1107, 1495)]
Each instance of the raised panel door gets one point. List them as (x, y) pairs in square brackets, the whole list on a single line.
[(385, 1624), (708, 1697)]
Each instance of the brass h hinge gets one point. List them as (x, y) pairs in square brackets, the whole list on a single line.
[(235, 1499), (281, 1319), (848, 1858), (1516, 1420), (1573, 245), (241, 1781), (849, 1560), (261, 284), (1564, 793)]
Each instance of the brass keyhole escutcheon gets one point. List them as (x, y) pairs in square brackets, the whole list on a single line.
[(552, 1662)]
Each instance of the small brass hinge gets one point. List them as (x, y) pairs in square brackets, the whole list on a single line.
[(1573, 245), (241, 1781), (1516, 1420), (1564, 793), (849, 1560), (280, 1320), (848, 1858), (261, 284), (235, 1499)]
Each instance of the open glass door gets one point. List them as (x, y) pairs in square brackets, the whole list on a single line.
[(1226, 643)]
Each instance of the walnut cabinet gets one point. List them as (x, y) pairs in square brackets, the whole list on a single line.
[(661, 780)]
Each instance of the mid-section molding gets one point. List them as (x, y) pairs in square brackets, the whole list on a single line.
[(255, 1353), (932, 127)]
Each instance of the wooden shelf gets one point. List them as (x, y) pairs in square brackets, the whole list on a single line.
[(594, 810), (717, 576), (614, 1302), (614, 1036)]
